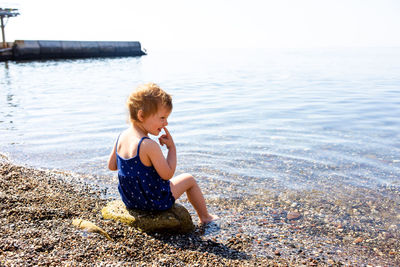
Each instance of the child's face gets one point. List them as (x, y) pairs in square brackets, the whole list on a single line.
[(156, 122)]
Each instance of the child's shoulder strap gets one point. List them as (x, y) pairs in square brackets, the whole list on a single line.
[(140, 142), (116, 144)]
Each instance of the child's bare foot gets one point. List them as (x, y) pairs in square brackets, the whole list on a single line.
[(208, 219)]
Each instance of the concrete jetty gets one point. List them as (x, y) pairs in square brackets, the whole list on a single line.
[(49, 49)]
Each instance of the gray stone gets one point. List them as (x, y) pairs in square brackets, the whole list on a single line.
[(176, 220)]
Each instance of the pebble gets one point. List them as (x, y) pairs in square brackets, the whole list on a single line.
[(293, 215)]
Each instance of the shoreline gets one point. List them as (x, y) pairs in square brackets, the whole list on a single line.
[(38, 207)]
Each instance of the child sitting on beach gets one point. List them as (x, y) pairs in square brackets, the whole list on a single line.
[(145, 176)]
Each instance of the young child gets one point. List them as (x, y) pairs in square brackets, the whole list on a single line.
[(145, 175)]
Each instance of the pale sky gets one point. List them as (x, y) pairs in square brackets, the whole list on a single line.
[(210, 23)]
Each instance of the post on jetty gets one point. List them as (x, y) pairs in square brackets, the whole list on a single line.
[(6, 13)]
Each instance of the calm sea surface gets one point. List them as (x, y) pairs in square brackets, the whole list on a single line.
[(294, 119)]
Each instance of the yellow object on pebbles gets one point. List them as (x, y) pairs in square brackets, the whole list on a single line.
[(90, 227)]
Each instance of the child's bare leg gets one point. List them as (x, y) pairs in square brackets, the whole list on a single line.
[(186, 183)]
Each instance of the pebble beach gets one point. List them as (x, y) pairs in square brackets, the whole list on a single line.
[(264, 229), (37, 209)]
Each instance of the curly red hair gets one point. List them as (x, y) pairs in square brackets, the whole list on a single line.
[(147, 97)]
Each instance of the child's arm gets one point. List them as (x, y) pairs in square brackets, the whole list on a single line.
[(112, 160), (165, 167)]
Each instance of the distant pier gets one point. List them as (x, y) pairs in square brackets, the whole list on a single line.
[(44, 49)]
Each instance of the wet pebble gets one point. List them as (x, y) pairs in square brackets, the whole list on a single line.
[(294, 215)]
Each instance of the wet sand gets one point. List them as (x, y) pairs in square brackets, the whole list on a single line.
[(265, 228)]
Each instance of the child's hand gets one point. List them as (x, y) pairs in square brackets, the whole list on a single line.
[(166, 139)]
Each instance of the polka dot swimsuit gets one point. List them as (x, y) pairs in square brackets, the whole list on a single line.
[(140, 186)]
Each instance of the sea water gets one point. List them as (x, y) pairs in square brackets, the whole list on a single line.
[(297, 119)]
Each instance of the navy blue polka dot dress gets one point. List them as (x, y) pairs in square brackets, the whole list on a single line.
[(140, 186)]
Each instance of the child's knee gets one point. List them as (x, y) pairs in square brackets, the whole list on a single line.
[(189, 177)]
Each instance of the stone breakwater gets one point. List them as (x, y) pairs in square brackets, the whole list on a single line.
[(350, 226)]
